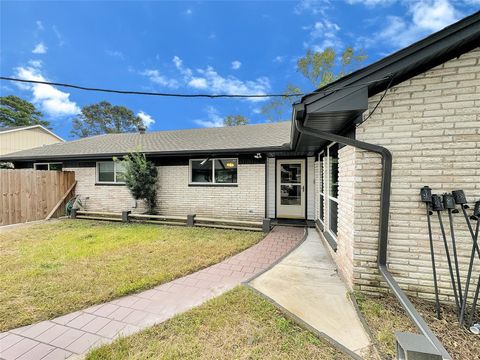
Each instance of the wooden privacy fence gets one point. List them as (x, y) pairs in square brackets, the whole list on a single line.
[(29, 195)]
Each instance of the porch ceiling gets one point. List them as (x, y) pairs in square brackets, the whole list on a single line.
[(333, 113)]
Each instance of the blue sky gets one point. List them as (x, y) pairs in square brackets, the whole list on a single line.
[(193, 47)]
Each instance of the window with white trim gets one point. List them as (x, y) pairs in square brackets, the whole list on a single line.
[(58, 166), (331, 188), (110, 172), (321, 200), (213, 171)]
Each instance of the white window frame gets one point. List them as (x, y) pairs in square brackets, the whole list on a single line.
[(322, 184), (97, 173), (327, 196), (190, 182), (48, 164)]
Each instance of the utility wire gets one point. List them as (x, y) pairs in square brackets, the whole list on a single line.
[(211, 96), (129, 92), (391, 76)]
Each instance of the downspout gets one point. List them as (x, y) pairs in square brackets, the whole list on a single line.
[(383, 231)]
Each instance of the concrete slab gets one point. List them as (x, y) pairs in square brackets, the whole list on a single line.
[(307, 284)]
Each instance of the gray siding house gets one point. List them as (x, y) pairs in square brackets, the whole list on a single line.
[(417, 111)]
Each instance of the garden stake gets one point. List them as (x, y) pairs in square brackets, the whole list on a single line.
[(426, 197), (474, 305), (460, 199), (449, 204), (437, 205), (469, 274)]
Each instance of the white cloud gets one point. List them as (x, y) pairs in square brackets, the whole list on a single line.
[(236, 65), (209, 79), (157, 78), (115, 53), (146, 118), (189, 12), (40, 48), (35, 63), (213, 118), (427, 16), (312, 7), (323, 34), (279, 59), (59, 36), (257, 111), (39, 25), (51, 100), (371, 3), (198, 83)]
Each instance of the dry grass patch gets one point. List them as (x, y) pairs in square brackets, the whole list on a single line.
[(236, 325), (52, 269), (385, 316)]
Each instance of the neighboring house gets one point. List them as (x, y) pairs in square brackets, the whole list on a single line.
[(429, 119), (16, 138)]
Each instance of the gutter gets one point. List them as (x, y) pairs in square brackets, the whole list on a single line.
[(386, 155)]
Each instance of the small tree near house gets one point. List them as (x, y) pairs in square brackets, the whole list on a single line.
[(141, 178)]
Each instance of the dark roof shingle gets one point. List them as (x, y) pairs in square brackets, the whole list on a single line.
[(274, 136)]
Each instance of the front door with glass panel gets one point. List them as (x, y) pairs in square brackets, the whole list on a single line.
[(291, 189)]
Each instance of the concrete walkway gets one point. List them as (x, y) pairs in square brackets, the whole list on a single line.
[(78, 332), (306, 284)]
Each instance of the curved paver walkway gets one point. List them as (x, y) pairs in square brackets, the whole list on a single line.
[(78, 332)]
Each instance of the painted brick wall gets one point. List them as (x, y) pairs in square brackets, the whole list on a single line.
[(175, 197), (247, 201), (115, 198), (431, 123)]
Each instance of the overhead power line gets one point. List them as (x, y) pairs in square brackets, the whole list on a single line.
[(211, 96), (129, 92)]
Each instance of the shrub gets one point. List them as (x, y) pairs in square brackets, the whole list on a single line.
[(141, 179)]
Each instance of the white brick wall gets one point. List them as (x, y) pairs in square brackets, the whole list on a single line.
[(247, 201), (431, 123), (115, 198), (175, 197)]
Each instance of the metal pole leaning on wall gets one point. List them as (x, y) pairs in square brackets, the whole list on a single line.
[(437, 205), (426, 197), (449, 204)]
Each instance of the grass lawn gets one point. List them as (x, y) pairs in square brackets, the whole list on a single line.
[(55, 268), (237, 325), (385, 316)]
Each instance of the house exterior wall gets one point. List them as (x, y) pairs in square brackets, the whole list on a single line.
[(176, 197), (245, 201), (431, 124), (23, 139)]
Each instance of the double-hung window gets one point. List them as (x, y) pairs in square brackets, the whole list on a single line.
[(110, 172), (49, 166), (214, 171), (328, 189), (331, 188)]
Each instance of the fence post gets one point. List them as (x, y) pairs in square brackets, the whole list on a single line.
[(73, 213), (191, 220), (125, 215), (266, 224)]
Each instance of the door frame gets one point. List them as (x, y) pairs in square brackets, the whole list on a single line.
[(305, 165)]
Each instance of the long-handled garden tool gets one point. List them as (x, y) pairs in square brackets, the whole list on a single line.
[(473, 311), (476, 215), (449, 204), (437, 205), (426, 197)]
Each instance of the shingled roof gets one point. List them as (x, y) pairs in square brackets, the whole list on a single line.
[(244, 138)]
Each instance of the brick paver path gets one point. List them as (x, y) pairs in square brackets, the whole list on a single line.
[(78, 332)]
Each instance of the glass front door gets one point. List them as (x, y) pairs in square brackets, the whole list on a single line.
[(291, 189)]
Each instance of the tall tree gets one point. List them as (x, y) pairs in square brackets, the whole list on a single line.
[(104, 118), (15, 111), (234, 120), (319, 68)]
